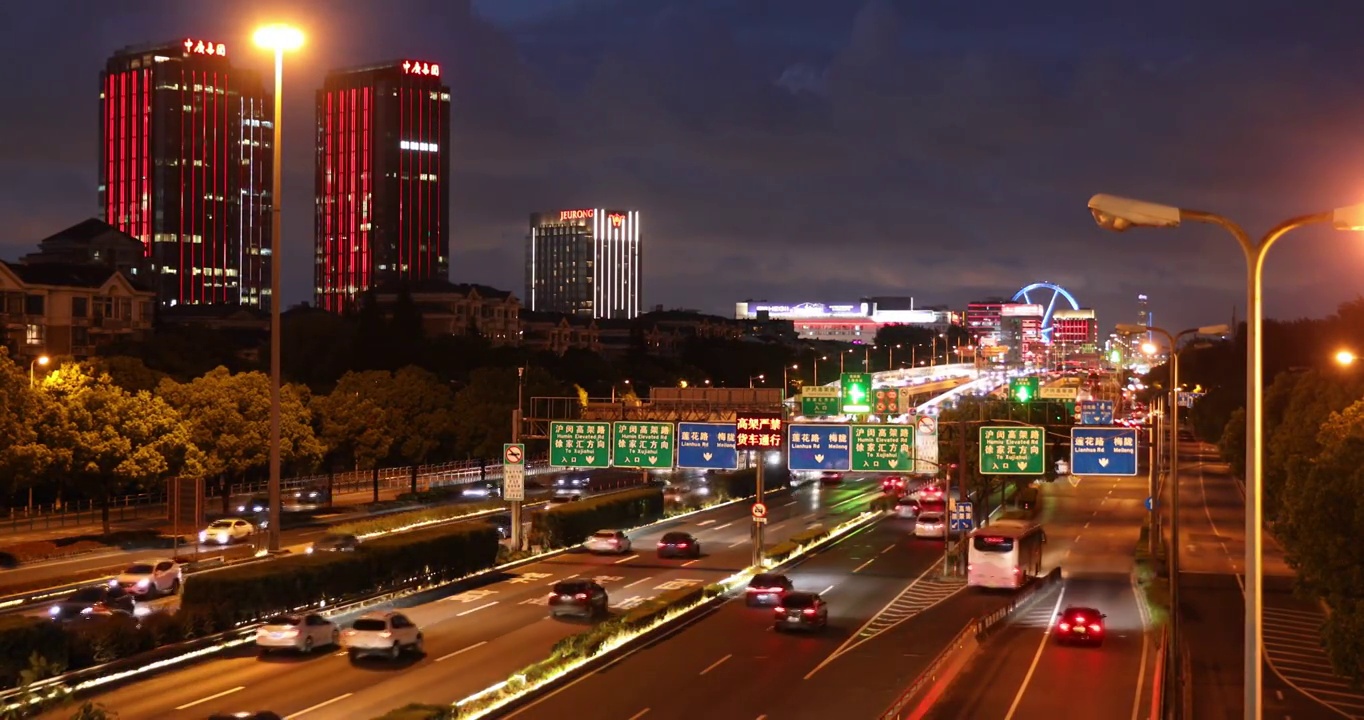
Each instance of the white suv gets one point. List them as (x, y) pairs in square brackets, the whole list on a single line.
[(301, 632), (146, 579), (384, 633), (226, 531)]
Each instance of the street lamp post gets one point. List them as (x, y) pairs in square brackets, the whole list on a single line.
[(40, 360), (1173, 404), (755, 377), (815, 378), (280, 39), (786, 379), (1119, 214)]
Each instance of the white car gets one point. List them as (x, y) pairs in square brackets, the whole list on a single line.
[(153, 577), (607, 541), (301, 632), (931, 525), (386, 633), (226, 531)]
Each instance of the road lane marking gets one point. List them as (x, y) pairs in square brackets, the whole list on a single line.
[(859, 567), (647, 579), (888, 548), (474, 610), (741, 542), (703, 522), (1036, 658), (201, 701), (318, 706), (722, 527), (689, 563), (1145, 650), (793, 502), (639, 714), (827, 589), (626, 559), (447, 656), (717, 663)]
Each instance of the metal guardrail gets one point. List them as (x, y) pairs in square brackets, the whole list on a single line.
[(963, 646), (82, 512)]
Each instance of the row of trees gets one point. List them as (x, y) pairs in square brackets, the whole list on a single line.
[(83, 431), (1313, 467)]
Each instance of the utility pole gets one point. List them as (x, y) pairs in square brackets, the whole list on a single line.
[(516, 539), (758, 523)]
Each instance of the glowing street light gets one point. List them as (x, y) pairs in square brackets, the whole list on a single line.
[(1119, 214), (279, 39), (1345, 358), (40, 360)]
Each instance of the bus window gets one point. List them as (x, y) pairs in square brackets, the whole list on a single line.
[(988, 543)]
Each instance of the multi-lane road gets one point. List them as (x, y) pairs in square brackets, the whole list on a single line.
[(1021, 672), (1298, 682), (478, 637)]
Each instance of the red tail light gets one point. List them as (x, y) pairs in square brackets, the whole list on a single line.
[(581, 596), (1065, 627), (1080, 619), (1094, 627), (779, 609), (681, 545), (809, 611)]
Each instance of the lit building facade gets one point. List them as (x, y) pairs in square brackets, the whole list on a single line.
[(983, 320), (1074, 331), (62, 309), (185, 152), (846, 322), (382, 206), (585, 262)]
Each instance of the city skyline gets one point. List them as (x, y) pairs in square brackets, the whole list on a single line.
[(786, 180)]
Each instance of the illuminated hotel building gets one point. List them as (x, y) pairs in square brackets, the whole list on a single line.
[(584, 262), (184, 167), (382, 206), (1075, 331), (855, 323)]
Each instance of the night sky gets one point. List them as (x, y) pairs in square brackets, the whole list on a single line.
[(800, 150)]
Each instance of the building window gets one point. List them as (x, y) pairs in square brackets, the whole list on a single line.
[(33, 334), (34, 305), (80, 307), (80, 336)]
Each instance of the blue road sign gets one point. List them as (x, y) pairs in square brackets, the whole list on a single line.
[(819, 447), (1096, 412), (1149, 504), (706, 446), (963, 517), (1103, 451)]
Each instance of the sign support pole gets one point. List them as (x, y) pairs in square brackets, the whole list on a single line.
[(516, 539), (1153, 534), (757, 526)]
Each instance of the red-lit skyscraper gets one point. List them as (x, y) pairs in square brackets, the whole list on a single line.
[(184, 166), (383, 168)]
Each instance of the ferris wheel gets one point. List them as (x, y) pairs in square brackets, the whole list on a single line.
[(1046, 294)]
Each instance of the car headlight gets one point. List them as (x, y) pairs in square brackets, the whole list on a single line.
[(309, 550), (54, 611), (144, 582), (241, 508), (113, 583), (203, 535)]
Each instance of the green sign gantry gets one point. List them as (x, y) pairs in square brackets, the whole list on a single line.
[(642, 445), (856, 393), (575, 444), (819, 401), (1012, 450), (883, 448)]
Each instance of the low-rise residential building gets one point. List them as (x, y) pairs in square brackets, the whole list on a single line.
[(461, 309), (69, 310)]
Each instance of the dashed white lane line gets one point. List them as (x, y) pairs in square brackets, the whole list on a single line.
[(318, 706), (716, 664), (641, 580), (626, 559), (461, 651), (214, 696), (474, 610)]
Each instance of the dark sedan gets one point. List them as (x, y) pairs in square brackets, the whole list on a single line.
[(678, 544), (90, 601), (335, 543)]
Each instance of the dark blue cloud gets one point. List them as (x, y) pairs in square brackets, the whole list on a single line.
[(804, 149)]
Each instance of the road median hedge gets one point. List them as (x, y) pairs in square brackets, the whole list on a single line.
[(244, 594), (399, 520), (570, 523)]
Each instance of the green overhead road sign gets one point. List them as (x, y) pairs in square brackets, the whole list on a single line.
[(856, 393), (642, 445), (1023, 389), (818, 401), (580, 444), (1012, 450), (883, 448)]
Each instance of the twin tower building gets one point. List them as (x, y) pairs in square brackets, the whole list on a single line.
[(185, 166)]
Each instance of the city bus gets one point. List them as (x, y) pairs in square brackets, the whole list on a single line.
[(1005, 554)]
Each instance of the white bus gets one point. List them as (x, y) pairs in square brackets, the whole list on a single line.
[(1004, 554)]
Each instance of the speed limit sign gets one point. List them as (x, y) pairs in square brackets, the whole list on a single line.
[(759, 511)]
